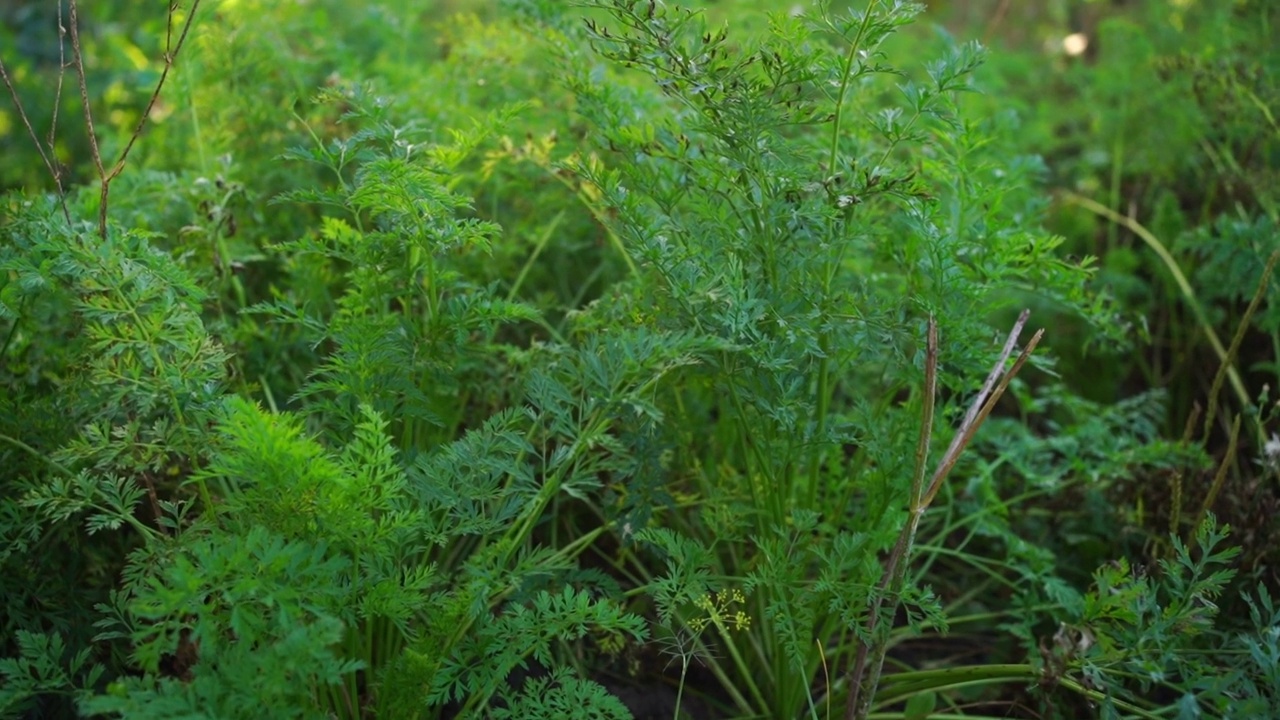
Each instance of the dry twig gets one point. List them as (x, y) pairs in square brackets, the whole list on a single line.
[(864, 674)]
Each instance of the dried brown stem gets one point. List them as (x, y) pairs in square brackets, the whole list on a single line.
[(1263, 284), (968, 431), (858, 671), (77, 61), (52, 138), (170, 56), (996, 18), (864, 674), (1220, 477), (992, 377), (171, 51), (50, 164)]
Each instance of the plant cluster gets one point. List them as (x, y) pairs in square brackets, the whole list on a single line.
[(338, 383)]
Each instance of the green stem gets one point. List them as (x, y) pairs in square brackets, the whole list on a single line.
[(900, 686), (684, 669), (1098, 696), (37, 454), (744, 670), (823, 390)]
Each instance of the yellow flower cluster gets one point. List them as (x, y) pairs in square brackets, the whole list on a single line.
[(723, 610)]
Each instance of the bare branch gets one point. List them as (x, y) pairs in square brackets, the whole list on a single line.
[(864, 674), (974, 420), (862, 687), (926, 415), (996, 370), (77, 59), (57, 96), (170, 56), (49, 163), (77, 55)]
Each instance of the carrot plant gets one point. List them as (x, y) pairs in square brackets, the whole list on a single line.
[(600, 348), (782, 196)]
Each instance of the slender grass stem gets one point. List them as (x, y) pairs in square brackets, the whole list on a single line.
[(823, 390), (1184, 286)]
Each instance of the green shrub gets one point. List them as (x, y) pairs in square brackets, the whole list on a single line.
[(450, 368)]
